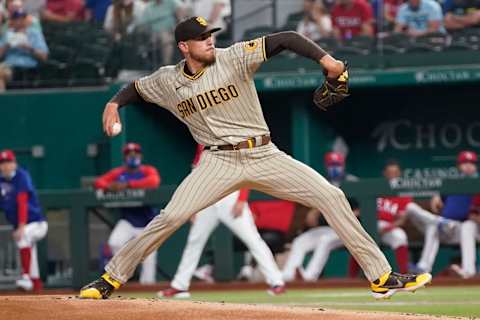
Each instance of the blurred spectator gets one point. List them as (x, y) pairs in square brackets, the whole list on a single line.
[(316, 22), (352, 18), (159, 18), (470, 235), (217, 12), (273, 219), (35, 7), (18, 5), (19, 201), (335, 167), (133, 175), (389, 12), (23, 47), (391, 213), (460, 14), (65, 11), (122, 16), (328, 4), (98, 9), (319, 237), (419, 17), (456, 224), (3, 16)]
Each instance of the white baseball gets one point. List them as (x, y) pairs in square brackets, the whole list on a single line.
[(116, 128)]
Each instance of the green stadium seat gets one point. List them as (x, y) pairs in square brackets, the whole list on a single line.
[(329, 44), (96, 52), (61, 53), (393, 43), (257, 32), (465, 39), (52, 73), (361, 45), (435, 42), (292, 21), (86, 72)]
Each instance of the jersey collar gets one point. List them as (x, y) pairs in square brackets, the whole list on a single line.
[(197, 75)]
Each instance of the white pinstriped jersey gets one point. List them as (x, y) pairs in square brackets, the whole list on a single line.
[(219, 104)]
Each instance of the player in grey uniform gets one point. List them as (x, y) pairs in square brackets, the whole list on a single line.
[(212, 91)]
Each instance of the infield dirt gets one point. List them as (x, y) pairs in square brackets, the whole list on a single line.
[(72, 308)]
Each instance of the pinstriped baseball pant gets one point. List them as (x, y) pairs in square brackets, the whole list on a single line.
[(265, 169)]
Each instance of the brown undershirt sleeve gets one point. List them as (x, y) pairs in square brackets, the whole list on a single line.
[(127, 95), (295, 42)]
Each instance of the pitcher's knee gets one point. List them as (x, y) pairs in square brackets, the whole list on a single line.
[(170, 219), (340, 194), (337, 194)]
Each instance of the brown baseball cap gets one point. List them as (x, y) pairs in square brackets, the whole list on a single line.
[(192, 28)]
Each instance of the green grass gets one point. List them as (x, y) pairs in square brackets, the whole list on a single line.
[(449, 301)]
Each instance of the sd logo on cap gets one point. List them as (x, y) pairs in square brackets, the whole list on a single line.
[(192, 28)]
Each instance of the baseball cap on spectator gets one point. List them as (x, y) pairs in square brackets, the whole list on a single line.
[(7, 156), (467, 156), (132, 147), (192, 28), (334, 158)]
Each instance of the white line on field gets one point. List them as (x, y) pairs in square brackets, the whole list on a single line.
[(344, 294), (384, 303)]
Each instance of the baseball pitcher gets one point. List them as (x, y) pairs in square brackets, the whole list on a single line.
[(212, 91)]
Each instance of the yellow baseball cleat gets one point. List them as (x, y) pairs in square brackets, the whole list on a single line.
[(392, 282), (101, 288)]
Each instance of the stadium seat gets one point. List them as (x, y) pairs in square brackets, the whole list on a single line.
[(393, 43), (292, 21), (465, 39), (361, 45), (328, 44), (51, 73), (22, 78), (86, 72), (257, 32), (435, 42), (61, 53), (133, 52)]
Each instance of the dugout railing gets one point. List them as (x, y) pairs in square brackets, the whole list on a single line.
[(79, 203)]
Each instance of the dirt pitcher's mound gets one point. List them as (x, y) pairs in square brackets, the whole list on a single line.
[(72, 308)]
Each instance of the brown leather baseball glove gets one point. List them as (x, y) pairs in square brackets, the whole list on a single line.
[(332, 90)]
